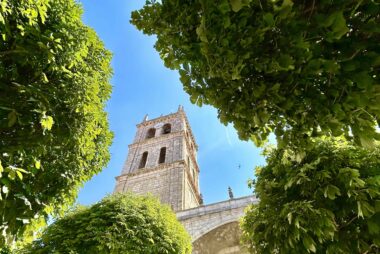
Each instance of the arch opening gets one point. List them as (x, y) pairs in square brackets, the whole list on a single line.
[(224, 239), (143, 160), (167, 128), (162, 157), (151, 133)]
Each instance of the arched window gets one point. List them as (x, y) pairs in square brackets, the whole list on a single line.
[(167, 128), (144, 158), (151, 132), (162, 155)]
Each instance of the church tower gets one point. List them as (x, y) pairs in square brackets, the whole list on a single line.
[(162, 160)]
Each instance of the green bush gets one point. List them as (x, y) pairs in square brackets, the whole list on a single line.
[(326, 201), (122, 223), (54, 84)]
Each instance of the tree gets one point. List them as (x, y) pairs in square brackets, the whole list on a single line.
[(54, 83), (299, 69), (123, 223), (326, 202)]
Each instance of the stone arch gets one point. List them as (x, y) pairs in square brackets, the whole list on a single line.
[(162, 156), (150, 133), (210, 227), (144, 159), (167, 128), (222, 239)]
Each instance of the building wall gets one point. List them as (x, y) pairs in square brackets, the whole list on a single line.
[(164, 182), (200, 220), (174, 182), (173, 143)]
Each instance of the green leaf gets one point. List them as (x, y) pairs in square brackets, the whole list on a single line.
[(201, 31), (286, 62), (373, 227), (360, 212), (1, 169), (290, 216), (19, 174), (337, 23), (12, 118), (224, 7), (363, 80), (268, 18), (46, 122), (44, 78), (309, 243), (331, 192), (366, 141), (12, 175), (37, 164), (339, 27), (236, 5)]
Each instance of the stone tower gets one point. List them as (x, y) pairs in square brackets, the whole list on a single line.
[(162, 160)]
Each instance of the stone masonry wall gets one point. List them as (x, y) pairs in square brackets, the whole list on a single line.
[(172, 142), (163, 182), (200, 220)]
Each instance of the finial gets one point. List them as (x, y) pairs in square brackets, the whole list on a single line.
[(180, 108), (230, 194), (145, 118)]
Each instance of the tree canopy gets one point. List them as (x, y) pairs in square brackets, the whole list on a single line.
[(326, 202), (299, 69), (123, 223), (54, 83)]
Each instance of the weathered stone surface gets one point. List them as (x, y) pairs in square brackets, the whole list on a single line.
[(203, 219), (214, 228), (175, 181), (221, 240)]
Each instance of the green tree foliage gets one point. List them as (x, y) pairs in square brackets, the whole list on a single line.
[(326, 202), (295, 68), (122, 223), (54, 83)]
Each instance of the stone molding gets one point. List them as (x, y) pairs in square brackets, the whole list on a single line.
[(167, 117), (199, 221), (217, 207), (157, 139), (152, 169)]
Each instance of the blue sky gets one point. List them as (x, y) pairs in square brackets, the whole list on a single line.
[(142, 85)]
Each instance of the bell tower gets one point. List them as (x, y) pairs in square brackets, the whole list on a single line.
[(162, 160)]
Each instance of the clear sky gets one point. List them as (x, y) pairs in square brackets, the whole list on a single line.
[(142, 85)]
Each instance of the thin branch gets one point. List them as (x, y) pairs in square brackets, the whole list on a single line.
[(351, 57), (14, 51), (348, 223), (370, 248), (312, 10)]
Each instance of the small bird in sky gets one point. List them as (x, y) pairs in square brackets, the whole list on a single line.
[(239, 166)]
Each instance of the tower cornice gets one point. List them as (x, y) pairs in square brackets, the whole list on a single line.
[(156, 139), (168, 117), (157, 119), (142, 171)]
